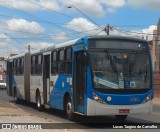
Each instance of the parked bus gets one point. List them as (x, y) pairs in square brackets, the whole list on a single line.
[(91, 76)]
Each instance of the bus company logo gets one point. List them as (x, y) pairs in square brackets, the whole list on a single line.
[(6, 126), (134, 99)]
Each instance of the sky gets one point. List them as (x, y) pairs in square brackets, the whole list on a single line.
[(43, 23)]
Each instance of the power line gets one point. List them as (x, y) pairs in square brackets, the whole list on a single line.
[(37, 17), (131, 25), (41, 19), (98, 32), (47, 22), (15, 40), (49, 9), (21, 31), (134, 32), (71, 29), (85, 16), (83, 25), (43, 37), (9, 16)]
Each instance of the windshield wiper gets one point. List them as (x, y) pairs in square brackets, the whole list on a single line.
[(131, 67), (146, 74), (132, 63), (112, 63)]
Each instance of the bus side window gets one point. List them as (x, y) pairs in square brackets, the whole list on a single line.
[(68, 61), (33, 65), (61, 61), (22, 65), (17, 67), (14, 66), (54, 63), (39, 65)]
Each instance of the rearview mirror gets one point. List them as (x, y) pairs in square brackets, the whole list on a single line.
[(85, 58)]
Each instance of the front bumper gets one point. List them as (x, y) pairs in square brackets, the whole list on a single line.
[(98, 109)]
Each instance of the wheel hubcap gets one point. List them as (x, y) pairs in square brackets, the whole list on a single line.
[(38, 102), (69, 107)]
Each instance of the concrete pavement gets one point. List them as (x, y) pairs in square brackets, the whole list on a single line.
[(156, 101), (10, 113), (9, 110)]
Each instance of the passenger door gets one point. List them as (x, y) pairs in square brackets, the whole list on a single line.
[(46, 78), (9, 78), (79, 81)]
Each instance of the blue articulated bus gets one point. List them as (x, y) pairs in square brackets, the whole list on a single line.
[(90, 76)]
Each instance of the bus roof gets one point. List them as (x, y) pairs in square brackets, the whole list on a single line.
[(65, 44), (116, 37), (72, 42), (69, 43), (16, 56)]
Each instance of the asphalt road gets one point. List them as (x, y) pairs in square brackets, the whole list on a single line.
[(89, 122)]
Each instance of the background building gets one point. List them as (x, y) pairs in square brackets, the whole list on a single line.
[(155, 53), (2, 64), (2, 68)]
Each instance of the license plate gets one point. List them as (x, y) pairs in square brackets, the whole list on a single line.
[(124, 111)]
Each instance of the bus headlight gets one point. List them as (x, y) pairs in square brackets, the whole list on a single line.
[(148, 98), (97, 98)]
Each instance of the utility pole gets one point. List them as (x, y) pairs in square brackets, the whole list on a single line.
[(107, 29), (29, 48)]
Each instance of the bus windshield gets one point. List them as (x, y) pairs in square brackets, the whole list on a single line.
[(120, 69)]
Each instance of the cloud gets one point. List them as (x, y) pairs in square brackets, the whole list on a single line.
[(91, 7), (84, 26), (111, 10), (39, 45), (60, 37), (150, 4), (6, 45), (114, 3), (51, 4), (149, 30), (30, 6), (4, 39), (96, 8), (146, 32), (23, 25), (14, 50)]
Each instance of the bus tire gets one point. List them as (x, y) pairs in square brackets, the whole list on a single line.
[(38, 102), (68, 109), (120, 117)]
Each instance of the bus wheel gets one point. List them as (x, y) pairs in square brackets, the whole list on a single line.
[(120, 117), (68, 109), (38, 102)]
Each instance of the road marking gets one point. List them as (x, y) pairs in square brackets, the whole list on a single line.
[(12, 105), (8, 103)]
